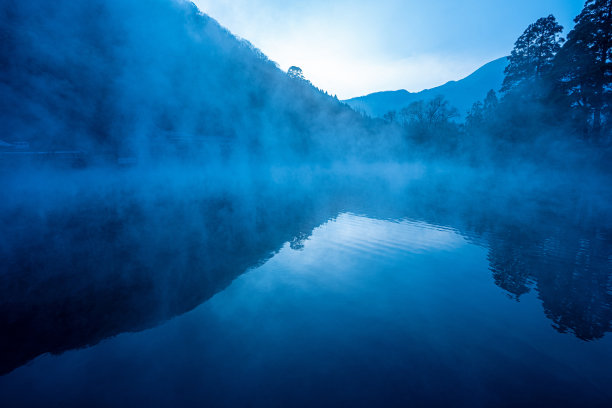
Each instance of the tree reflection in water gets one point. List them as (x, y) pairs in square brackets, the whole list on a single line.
[(92, 265)]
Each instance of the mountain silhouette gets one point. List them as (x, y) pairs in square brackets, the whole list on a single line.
[(162, 79), (460, 94)]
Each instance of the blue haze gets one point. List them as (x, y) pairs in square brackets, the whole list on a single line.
[(183, 224), (460, 94), (354, 48), (357, 288)]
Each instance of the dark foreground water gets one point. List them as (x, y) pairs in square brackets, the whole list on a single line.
[(431, 289)]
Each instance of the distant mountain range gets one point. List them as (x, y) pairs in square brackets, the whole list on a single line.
[(461, 94)]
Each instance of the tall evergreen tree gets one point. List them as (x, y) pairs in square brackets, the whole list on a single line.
[(482, 113), (533, 52), (475, 116), (490, 103), (584, 66)]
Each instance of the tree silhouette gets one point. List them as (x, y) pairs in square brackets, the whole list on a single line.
[(296, 73), (390, 116), (583, 66), (491, 102), (435, 112), (475, 115), (533, 52)]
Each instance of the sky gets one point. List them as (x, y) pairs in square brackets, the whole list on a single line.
[(355, 47)]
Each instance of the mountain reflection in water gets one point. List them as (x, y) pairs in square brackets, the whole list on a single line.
[(353, 264)]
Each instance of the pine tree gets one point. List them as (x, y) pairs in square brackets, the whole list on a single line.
[(482, 113), (533, 52), (475, 116), (583, 66), (490, 102)]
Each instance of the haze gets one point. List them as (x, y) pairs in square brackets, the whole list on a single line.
[(352, 48)]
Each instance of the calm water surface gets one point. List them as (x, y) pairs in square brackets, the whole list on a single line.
[(352, 308)]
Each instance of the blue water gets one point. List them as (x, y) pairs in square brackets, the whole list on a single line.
[(359, 310)]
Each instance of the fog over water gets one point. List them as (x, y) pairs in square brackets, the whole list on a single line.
[(184, 224), (126, 254)]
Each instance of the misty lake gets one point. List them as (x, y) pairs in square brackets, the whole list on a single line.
[(441, 288)]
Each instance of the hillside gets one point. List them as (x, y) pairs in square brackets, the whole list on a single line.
[(144, 80), (461, 94)]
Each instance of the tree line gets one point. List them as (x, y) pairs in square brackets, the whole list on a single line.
[(552, 85)]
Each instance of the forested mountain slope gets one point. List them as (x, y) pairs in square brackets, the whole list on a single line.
[(157, 78)]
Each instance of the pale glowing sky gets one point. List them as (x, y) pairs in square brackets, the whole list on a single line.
[(352, 48)]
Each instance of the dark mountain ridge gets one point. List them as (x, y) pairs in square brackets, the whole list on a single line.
[(157, 79), (460, 94)]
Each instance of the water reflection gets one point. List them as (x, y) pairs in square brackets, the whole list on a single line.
[(569, 268), (90, 267), (93, 267)]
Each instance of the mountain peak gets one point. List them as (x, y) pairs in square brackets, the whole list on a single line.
[(460, 94)]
